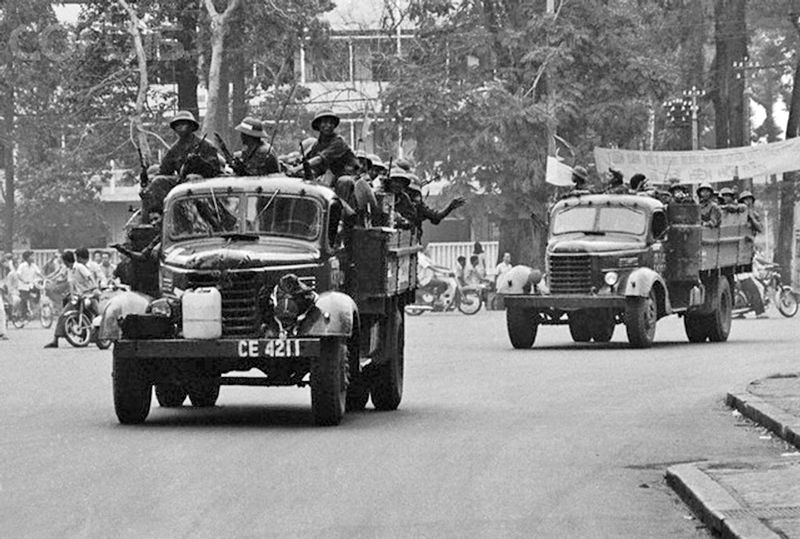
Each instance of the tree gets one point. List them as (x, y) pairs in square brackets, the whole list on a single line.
[(216, 119), (730, 39)]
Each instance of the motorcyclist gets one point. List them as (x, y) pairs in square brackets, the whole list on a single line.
[(81, 283), (27, 274)]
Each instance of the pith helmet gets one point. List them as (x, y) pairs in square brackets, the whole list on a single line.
[(705, 185), (580, 172), (726, 191), (400, 174), (404, 163), (324, 114), (376, 161), (415, 184), (184, 116), (745, 195), (251, 126)]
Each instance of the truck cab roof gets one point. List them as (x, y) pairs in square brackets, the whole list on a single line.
[(646, 203), (240, 184)]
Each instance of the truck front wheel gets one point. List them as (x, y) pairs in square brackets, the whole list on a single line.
[(522, 326), (329, 382), (132, 390), (387, 387), (641, 315), (720, 323)]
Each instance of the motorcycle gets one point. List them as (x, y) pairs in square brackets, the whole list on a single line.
[(434, 297), (78, 316), (772, 291), (39, 306)]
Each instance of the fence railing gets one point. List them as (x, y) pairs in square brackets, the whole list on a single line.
[(445, 254), (43, 256)]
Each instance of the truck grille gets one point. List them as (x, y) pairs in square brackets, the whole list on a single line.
[(570, 274), (239, 290)]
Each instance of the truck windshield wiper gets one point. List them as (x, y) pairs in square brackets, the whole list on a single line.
[(593, 232), (239, 236)]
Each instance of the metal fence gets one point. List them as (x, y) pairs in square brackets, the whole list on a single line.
[(445, 254), (42, 256)]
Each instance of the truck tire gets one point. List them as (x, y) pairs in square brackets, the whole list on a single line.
[(170, 395), (329, 382), (696, 327), (387, 384), (522, 326), (358, 380), (203, 392), (720, 319), (579, 326), (641, 315), (132, 390)]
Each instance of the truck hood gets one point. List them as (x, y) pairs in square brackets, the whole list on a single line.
[(596, 244), (223, 254)]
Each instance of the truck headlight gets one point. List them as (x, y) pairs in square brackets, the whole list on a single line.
[(611, 278)]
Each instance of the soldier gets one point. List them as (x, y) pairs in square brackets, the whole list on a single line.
[(378, 170), (639, 183), (678, 192), (616, 183), (190, 153), (579, 178), (256, 157), (422, 211), (710, 214), (330, 152), (728, 201), (753, 218)]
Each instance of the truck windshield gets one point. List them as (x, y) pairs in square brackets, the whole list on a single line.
[(600, 219), (284, 215), (268, 214)]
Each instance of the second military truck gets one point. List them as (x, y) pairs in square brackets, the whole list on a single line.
[(629, 259)]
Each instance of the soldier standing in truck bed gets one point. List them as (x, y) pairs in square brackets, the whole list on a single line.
[(256, 157), (205, 160), (330, 152), (710, 214)]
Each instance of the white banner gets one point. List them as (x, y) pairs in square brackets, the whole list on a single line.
[(704, 165), (557, 172)]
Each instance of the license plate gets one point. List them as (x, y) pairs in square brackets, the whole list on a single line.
[(278, 347)]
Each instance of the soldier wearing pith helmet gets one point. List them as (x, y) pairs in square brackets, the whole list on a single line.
[(205, 159), (331, 151)]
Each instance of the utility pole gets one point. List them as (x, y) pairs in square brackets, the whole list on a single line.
[(693, 94)]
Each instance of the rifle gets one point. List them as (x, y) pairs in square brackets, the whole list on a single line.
[(144, 179), (306, 168), (226, 153)]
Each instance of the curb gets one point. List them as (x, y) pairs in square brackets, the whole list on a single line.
[(710, 502), (783, 424)]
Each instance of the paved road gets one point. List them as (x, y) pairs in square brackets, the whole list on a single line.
[(558, 441)]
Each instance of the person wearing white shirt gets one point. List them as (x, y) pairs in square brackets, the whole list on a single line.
[(502, 268), (27, 273), (81, 282)]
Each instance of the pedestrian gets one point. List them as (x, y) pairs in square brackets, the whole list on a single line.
[(477, 251), (257, 157), (82, 256), (710, 214), (502, 268), (27, 274), (189, 154), (107, 266)]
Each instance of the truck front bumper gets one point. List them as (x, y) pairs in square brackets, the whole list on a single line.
[(564, 302), (179, 349)]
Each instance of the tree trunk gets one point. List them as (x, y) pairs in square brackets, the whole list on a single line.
[(730, 38), (784, 247), (141, 97), (186, 65), (215, 119), (238, 76), (9, 113)]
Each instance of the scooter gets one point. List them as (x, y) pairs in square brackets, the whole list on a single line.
[(772, 291), (435, 297)]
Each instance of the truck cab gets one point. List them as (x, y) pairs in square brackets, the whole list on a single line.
[(630, 259), (262, 273)]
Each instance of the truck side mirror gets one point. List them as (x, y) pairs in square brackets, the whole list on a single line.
[(659, 224)]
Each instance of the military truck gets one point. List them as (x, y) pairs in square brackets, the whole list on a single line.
[(261, 274), (630, 259)]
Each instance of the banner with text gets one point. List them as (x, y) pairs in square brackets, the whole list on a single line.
[(704, 165)]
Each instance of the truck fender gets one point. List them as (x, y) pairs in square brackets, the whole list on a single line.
[(641, 281), (117, 308), (333, 315), (515, 281)]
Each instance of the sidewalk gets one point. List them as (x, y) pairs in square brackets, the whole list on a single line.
[(751, 498)]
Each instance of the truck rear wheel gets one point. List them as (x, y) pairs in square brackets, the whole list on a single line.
[(387, 386), (132, 390), (203, 392), (641, 315), (358, 380), (696, 327), (522, 326), (579, 326), (329, 382), (170, 395), (720, 319)]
